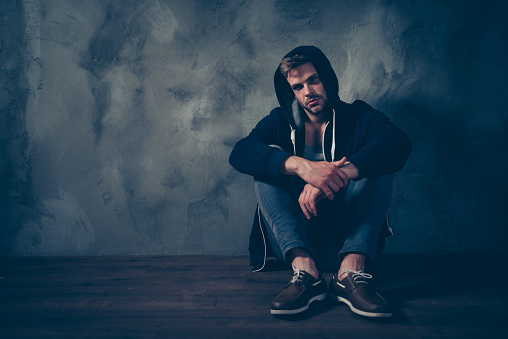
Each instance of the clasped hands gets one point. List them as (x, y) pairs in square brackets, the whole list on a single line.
[(323, 180)]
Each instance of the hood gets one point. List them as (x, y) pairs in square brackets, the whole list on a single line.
[(285, 94)]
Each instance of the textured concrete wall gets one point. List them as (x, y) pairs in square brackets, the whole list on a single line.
[(118, 117)]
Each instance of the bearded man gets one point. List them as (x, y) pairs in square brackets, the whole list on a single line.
[(323, 173)]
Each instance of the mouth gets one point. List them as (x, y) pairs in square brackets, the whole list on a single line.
[(313, 102)]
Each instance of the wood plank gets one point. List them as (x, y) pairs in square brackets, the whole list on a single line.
[(219, 297)]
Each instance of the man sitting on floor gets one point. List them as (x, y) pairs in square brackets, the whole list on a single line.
[(323, 178)]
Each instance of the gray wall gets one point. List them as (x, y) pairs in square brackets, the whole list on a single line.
[(118, 117)]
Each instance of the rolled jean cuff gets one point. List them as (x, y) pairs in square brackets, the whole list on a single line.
[(296, 244), (345, 251)]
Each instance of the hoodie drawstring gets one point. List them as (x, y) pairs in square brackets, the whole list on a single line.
[(293, 139), (333, 137)]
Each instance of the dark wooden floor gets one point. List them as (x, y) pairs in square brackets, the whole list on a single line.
[(219, 297)]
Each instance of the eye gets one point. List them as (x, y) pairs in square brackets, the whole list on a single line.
[(297, 87), (313, 80)]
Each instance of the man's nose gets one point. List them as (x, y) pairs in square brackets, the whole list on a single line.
[(307, 90)]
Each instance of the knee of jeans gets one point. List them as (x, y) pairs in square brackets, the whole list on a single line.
[(269, 189), (366, 185), (260, 184), (384, 181), (284, 182)]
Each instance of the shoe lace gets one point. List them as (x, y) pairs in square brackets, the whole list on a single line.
[(359, 277), (297, 276)]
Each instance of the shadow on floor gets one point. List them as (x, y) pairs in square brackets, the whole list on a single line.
[(399, 279)]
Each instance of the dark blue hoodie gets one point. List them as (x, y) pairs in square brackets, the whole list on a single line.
[(365, 136)]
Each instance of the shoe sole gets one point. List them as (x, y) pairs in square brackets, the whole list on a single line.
[(357, 311), (301, 309)]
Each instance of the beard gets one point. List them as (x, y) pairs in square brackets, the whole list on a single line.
[(315, 109)]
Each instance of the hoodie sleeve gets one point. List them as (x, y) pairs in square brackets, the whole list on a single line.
[(386, 147), (254, 154)]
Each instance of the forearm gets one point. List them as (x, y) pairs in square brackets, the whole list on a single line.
[(292, 165), (327, 176), (351, 172)]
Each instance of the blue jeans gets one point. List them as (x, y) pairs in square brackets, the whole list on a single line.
[(350, 223)]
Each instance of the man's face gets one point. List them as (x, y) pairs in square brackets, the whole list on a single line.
[(308, 88)]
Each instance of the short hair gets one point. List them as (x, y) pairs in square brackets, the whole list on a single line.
[(292, 62)]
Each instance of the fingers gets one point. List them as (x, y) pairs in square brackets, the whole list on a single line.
[(336, 181), (340, 163), (334, 185), (307, 213), (303, 206), (307, 201), (343, 176), (344, 179), (330, 186), (329, 177), (328, 192), (311, 207)]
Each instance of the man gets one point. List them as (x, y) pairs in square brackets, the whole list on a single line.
[(323, 174)]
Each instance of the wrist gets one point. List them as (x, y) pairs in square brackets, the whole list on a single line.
[(291, 165), (350, 170)]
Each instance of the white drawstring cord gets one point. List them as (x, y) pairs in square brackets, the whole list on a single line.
[(293, 138), (333, 137)]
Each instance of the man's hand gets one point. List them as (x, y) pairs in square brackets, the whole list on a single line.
[(327, 176), (309, 197)]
